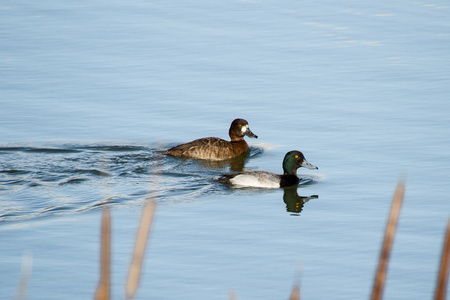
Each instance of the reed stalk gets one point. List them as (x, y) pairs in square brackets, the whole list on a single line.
[(295, 293), (232, 295), (25, 275), (135, 269), (441, 286), (391, 227), (103, 291)]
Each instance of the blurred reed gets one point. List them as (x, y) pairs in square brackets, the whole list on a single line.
[(232, 295), (25, 274), (103, 291), (295, 293), (441, 286), (134, 271), (389, 233)]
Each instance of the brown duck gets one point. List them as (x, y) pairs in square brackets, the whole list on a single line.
[(213, 148)]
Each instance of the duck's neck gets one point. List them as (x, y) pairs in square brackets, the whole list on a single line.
[(235, 138), (288, 180), (290, 172), (240, 144)]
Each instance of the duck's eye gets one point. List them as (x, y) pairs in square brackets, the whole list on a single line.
[(296, 156)]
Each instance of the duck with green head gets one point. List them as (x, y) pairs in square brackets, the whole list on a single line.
[(291, 162)]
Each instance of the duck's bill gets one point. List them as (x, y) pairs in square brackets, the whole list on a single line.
[(307, 165), (249, 133)]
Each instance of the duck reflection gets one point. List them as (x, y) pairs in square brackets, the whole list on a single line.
[(235, 164), (294, 202)]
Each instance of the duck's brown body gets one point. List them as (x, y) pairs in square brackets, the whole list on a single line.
[(213, 148)]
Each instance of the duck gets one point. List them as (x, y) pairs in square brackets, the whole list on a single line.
[(262, 179), (216, 149)]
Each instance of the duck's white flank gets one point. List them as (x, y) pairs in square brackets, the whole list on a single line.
[(258, 179)]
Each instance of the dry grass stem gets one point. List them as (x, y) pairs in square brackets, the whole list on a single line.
[(103, 291), (391, 226), (441, 287), (25, 274), (295, 294), (141, 240), (232, 295), (145, 225)]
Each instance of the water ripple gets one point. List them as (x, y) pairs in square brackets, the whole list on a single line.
[(37, 182)]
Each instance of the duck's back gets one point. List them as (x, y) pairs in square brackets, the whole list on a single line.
[(211, 148)]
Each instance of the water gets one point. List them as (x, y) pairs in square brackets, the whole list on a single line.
[(93, 93)]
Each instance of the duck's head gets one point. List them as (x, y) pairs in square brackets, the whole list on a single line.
[(294, 160), (239, 128)]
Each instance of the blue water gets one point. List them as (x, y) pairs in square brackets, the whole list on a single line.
[(92, 93)]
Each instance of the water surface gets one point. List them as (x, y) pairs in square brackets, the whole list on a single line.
[(91, 94)]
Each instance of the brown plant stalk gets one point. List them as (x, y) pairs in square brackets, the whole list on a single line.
[(135, 269), (441, 286), (391, 227), (103, 291)]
